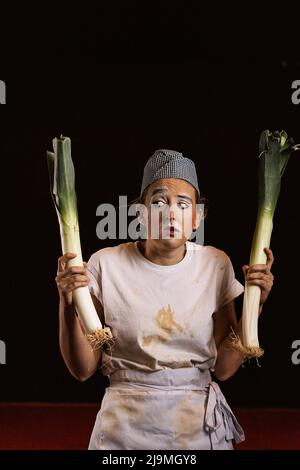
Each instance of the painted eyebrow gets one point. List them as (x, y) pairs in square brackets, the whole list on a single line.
[(185, 197), (164, 190)]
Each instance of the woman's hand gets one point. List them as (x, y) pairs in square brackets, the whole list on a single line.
[(68, 279), (260, 275)]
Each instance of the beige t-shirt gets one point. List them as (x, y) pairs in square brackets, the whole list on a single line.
[(161, 316)]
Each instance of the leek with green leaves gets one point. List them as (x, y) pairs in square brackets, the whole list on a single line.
[(275, 150), (62, 186)]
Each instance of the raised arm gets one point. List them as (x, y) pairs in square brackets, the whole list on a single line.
[(79, 357)]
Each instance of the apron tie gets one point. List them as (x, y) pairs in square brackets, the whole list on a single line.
[(218, 412)]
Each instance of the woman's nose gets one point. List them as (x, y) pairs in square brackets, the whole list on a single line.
[(172, 215)]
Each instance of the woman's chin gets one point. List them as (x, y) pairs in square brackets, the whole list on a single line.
[(172, 242)]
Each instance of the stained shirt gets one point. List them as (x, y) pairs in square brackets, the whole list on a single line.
[(161, 316)]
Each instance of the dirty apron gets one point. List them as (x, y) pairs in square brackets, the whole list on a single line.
[(167, 409)]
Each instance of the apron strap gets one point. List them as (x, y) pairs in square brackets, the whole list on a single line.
[(218, 412)]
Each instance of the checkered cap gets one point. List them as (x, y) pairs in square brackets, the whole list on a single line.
[(169, 164)]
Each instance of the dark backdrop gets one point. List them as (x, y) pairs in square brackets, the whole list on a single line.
[(121, 83)]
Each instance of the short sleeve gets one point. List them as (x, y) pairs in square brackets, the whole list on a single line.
[(95, 284), (230, 286)]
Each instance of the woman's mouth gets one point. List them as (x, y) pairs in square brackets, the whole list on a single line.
[(170, 230)]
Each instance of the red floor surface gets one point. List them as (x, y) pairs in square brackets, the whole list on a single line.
[(45, 426)]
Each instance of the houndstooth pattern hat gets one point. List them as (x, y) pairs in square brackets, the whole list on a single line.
[(169, 164)]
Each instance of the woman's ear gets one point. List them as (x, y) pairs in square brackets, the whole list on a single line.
[(198, 216)]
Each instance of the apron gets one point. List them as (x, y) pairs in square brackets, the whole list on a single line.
[(166, 409)]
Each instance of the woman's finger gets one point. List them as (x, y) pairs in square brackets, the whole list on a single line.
[(260, 275), (62, 261), (270, 257)]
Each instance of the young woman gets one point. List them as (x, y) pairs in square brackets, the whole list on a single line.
[(170, 305)]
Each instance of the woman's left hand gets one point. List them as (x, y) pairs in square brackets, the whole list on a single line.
[(260, 275)]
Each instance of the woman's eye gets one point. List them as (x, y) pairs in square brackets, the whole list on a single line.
[(158, 203), (183, 205)]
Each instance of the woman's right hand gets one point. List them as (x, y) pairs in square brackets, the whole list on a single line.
[(68, 279)]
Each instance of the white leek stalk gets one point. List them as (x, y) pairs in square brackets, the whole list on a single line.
[(62, 185), (274, 152)]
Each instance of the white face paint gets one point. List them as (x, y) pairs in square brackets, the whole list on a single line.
[(170, 210)]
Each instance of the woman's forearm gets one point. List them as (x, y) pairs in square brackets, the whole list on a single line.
[(79, 357), (229, 359)]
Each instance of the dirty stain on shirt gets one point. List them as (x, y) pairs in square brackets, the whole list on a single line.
[(166, 324)]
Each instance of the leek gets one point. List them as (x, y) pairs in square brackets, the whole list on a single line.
[(275, 150), (62, 186)]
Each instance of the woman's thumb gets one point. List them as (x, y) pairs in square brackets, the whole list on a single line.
[(245, 269)]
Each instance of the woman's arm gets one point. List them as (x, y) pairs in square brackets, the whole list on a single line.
[(78, 355), (81, 360), (228, 359)]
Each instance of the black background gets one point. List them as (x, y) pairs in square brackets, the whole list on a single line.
[(122, 81)]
